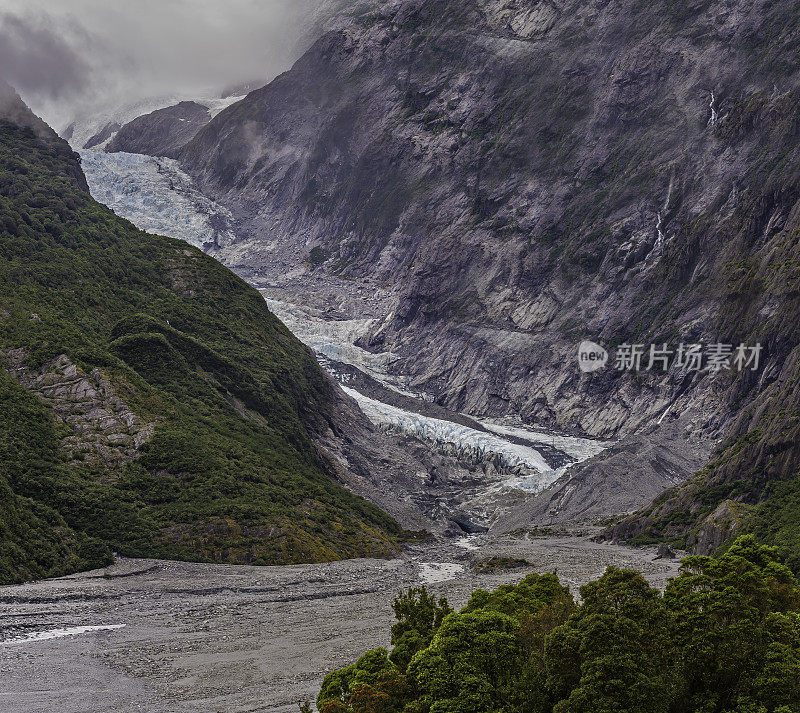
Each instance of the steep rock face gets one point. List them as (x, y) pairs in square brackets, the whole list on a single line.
[(757, 465), (529, 174), (159, 133)]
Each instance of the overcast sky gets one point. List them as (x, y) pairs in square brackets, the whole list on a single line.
[(69, 56)]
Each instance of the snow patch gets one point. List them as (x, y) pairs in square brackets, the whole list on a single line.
[(714, 113), (215, 106)]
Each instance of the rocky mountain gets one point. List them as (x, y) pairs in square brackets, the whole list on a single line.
[(523, 175), (371, 151), (161, 132), (153, 405), (154, 116)]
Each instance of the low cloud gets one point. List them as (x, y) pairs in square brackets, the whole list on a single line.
[(35, 59), (71, 56)]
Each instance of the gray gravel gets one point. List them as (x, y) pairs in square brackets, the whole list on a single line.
[(224, 639)]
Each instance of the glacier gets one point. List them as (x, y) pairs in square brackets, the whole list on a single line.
[(524, 465), (533, 474), (579, 449), (334, 340), (156, 196)]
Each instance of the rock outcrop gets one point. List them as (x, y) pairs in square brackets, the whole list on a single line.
[(101, 426), (161, 132)]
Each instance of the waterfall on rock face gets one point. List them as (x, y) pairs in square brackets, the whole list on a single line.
[(671, 188), (714, 113), (663, 212), (659, 226)]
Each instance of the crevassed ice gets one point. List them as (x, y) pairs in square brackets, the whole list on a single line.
[(468, 440), (335, 339), (156, 196)]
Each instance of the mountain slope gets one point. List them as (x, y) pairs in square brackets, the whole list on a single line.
[(161, 132), (507, 168), (152, 404), (530, 174)]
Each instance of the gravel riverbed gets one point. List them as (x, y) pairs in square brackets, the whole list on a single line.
[(200, 638)]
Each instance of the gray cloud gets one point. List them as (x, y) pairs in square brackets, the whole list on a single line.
[(68, 57), (35, 59)]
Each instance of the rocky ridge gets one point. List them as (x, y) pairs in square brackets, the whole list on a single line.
[(161, 132)]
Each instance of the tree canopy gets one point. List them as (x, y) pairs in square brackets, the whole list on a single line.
[(723, 638)]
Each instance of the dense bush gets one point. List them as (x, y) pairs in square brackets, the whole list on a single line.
[(776, 521), (723, 638), (231, 474)]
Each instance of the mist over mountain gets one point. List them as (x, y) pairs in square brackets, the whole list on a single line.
[(71, 58)]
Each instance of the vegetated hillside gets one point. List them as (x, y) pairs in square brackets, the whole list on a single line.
[(723, 638), (532, 174), (151, 403)]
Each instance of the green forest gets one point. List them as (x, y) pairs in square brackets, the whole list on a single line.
[(231, 473), (723, 638)]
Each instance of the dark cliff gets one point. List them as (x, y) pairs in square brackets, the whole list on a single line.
[(530, 174), (161, 132)]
